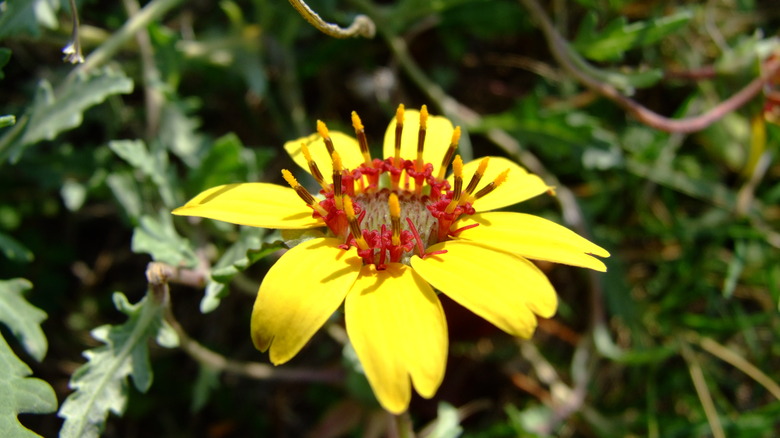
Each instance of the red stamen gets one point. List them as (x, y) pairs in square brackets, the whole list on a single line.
[(416, 237), (462, 229)]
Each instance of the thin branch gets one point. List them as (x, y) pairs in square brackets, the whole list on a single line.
[(151, 74), (564, 400), (730, 356), (700, 384), (160, 274), (361, 25), (401, 427), (570, 61), (149, 13), (253, 370), (72, 50)]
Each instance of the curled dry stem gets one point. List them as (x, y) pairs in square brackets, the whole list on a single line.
[(361, 25)]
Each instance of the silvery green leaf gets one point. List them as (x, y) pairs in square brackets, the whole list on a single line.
[(100, 385)]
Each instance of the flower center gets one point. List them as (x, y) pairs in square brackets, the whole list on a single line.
[(394, 208), (377, 212)]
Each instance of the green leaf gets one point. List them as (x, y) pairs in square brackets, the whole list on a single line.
[(13, 250), (151, 162), (158, 238), (223, 164), (447, 422), (20, 394), (179, 132), (23, 17), (50, 115), (206, 382), (248, 249), (530, 420), (73, 194), (100, 385), (22, 318), (6, 121), (127, 193), (617, 37)]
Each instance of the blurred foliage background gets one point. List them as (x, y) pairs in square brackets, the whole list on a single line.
[(678, 339)]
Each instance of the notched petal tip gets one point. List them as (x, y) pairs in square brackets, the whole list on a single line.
[(395, 349), (477, 277), (599, 251), (299, 293), (532, 237)]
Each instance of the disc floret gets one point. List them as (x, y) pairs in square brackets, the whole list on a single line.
[(412, 210)]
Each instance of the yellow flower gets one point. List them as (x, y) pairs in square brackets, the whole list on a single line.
[(397, 230)]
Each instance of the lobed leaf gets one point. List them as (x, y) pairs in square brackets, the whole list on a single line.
[(22, 318), (157, 237), (52, 114), (248, 249), (152, 162), (20, 394), (100, 385), (24, 17)]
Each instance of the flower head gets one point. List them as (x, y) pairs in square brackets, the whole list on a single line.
[(396, 231)]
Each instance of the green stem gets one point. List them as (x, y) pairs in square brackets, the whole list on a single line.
[(403, 425), (151, 12)]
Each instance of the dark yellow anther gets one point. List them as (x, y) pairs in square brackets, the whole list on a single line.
[(424, 117), (492, 185), (356, 123), (313, 168), (399, 114), (418, 165), (306, 153), (337, 164), (354, 227), (349, 208), (457, 170), (399, 129), (477, 176), (457, 167), (361, 136), (445, 162), (395, 217), (303, 193), (322, 129), (337, 169), (288, 176)]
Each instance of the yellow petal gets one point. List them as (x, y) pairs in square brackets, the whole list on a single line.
[(437, 139), (532, 237), (299, 293), (502, 288), (397, 327), (347, 147), (254, 204), (518, 187)]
